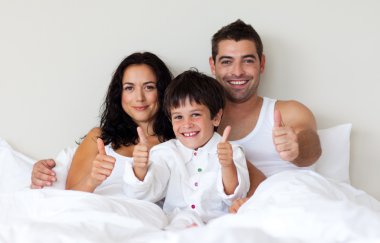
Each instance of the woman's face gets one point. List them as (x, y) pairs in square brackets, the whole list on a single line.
[(139, 96)]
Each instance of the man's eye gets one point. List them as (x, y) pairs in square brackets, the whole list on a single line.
[(225, 62), (249, 61)]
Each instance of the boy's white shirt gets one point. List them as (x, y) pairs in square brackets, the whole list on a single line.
[(173, 175)]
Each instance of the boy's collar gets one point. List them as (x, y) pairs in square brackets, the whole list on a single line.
[(210, 147)]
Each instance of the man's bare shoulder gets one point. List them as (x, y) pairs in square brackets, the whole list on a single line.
[(292, 106), (296, 114)]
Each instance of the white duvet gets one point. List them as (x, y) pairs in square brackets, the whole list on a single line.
[(292, 206)]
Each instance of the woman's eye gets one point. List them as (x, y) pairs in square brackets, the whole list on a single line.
[(177, 117), (128, 88), (150, 87)]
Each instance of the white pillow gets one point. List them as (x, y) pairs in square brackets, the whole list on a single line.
[(334, 162), (16, 168)]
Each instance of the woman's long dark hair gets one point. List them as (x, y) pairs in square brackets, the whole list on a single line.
[(117, 127)]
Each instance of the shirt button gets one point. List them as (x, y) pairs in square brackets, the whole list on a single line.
[(195, 153), (199, 169), (192, 206), (196, 184)]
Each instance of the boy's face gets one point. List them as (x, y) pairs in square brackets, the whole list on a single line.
[(192, 124)]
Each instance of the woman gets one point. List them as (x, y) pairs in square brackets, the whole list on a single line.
[(134, 98)]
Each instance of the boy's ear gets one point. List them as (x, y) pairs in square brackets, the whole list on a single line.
[(217, 118)]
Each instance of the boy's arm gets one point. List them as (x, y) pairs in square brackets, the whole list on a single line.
[(153, 186), (228, 168), (141, 156)]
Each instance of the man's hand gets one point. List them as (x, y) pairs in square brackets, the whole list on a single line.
[(141, 156), (284, 139), (42, 174), (237, 204), (102, 166)]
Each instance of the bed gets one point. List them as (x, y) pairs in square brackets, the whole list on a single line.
[(308, 205)]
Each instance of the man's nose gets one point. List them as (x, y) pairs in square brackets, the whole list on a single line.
[(238, 70)]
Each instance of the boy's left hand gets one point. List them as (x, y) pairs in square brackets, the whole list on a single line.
[(225, 153), (237, 204)]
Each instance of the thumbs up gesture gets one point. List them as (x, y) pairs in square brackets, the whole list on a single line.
[(284, 139), (141, 155), (225, 153), (102, 166)]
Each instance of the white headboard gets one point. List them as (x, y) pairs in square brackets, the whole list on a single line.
[(57, 58)]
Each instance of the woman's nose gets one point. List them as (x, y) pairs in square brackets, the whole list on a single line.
[(139, 94)]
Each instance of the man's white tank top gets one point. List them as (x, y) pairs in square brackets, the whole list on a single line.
[(113, 185), (258, 144)]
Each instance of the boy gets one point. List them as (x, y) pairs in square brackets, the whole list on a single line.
[(199, 173)]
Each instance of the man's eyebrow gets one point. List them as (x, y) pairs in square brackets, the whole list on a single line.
[(250, 56), (244, 56), (224, 57)]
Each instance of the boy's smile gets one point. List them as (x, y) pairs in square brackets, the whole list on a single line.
[(192, 124)]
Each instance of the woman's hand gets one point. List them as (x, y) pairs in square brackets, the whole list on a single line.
[(102, 165)]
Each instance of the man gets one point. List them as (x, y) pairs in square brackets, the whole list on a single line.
[(276, 135)]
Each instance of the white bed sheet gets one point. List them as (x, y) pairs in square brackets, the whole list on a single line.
[(292, 206), (70, 216)]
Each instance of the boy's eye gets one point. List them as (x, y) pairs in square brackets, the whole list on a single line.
[(195, 114)]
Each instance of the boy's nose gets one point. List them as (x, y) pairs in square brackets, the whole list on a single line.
[(188, 123)]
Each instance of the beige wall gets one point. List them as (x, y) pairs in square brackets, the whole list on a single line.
[(57, 57)]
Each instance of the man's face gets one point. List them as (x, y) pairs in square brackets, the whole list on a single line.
[(237, 67)]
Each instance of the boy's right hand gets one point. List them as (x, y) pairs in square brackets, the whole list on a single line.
[(102, 166), (42, 174), (141, 156)]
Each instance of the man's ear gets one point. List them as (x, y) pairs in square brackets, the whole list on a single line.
[(217, 118), (262, 63), (212, 65)]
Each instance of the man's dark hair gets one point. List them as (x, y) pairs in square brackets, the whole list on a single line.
[(236, 31)]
